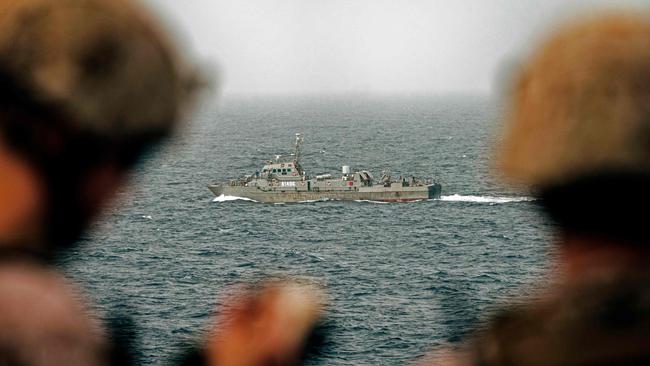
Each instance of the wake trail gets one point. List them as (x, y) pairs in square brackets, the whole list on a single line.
[(485, 199)]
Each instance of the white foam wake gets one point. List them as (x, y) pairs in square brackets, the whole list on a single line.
[(370, 201), (313, 201), (224, 198), (485, 199)]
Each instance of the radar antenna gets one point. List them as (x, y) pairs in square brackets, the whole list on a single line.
[(296, 154)]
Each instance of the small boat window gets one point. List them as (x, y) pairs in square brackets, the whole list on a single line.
[(274, 170), (289, 170)]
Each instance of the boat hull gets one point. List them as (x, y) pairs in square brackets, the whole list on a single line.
[(375, 193)]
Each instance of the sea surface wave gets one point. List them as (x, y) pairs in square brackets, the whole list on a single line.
[(402, 278)]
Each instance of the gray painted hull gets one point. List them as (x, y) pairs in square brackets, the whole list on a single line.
[(374, 193)]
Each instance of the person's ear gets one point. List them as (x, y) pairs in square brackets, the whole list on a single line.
[(21, 199)]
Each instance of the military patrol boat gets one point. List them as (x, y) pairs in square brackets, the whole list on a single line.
[(284, 180)]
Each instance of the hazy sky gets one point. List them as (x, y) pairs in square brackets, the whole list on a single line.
[(364, 46)]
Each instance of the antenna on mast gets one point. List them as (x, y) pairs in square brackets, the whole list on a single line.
[(296, 153)]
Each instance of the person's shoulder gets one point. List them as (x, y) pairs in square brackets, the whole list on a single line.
[(44, 321), (593, 322)]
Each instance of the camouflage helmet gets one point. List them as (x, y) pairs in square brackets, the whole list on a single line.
[(86, 86), (105, 63), (581, 106)]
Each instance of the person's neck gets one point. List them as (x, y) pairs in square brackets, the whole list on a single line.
[(585, 257)]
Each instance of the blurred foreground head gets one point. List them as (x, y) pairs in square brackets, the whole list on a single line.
[(578, 130), (85, 87)]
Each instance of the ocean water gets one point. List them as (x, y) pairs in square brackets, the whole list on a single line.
[(402, 278)]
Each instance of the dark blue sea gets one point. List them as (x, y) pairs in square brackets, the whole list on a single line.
[(402, 277)]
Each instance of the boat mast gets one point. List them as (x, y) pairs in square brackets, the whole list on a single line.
[(296, 154)]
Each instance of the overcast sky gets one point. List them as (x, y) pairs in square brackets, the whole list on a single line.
[(364, 46)]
